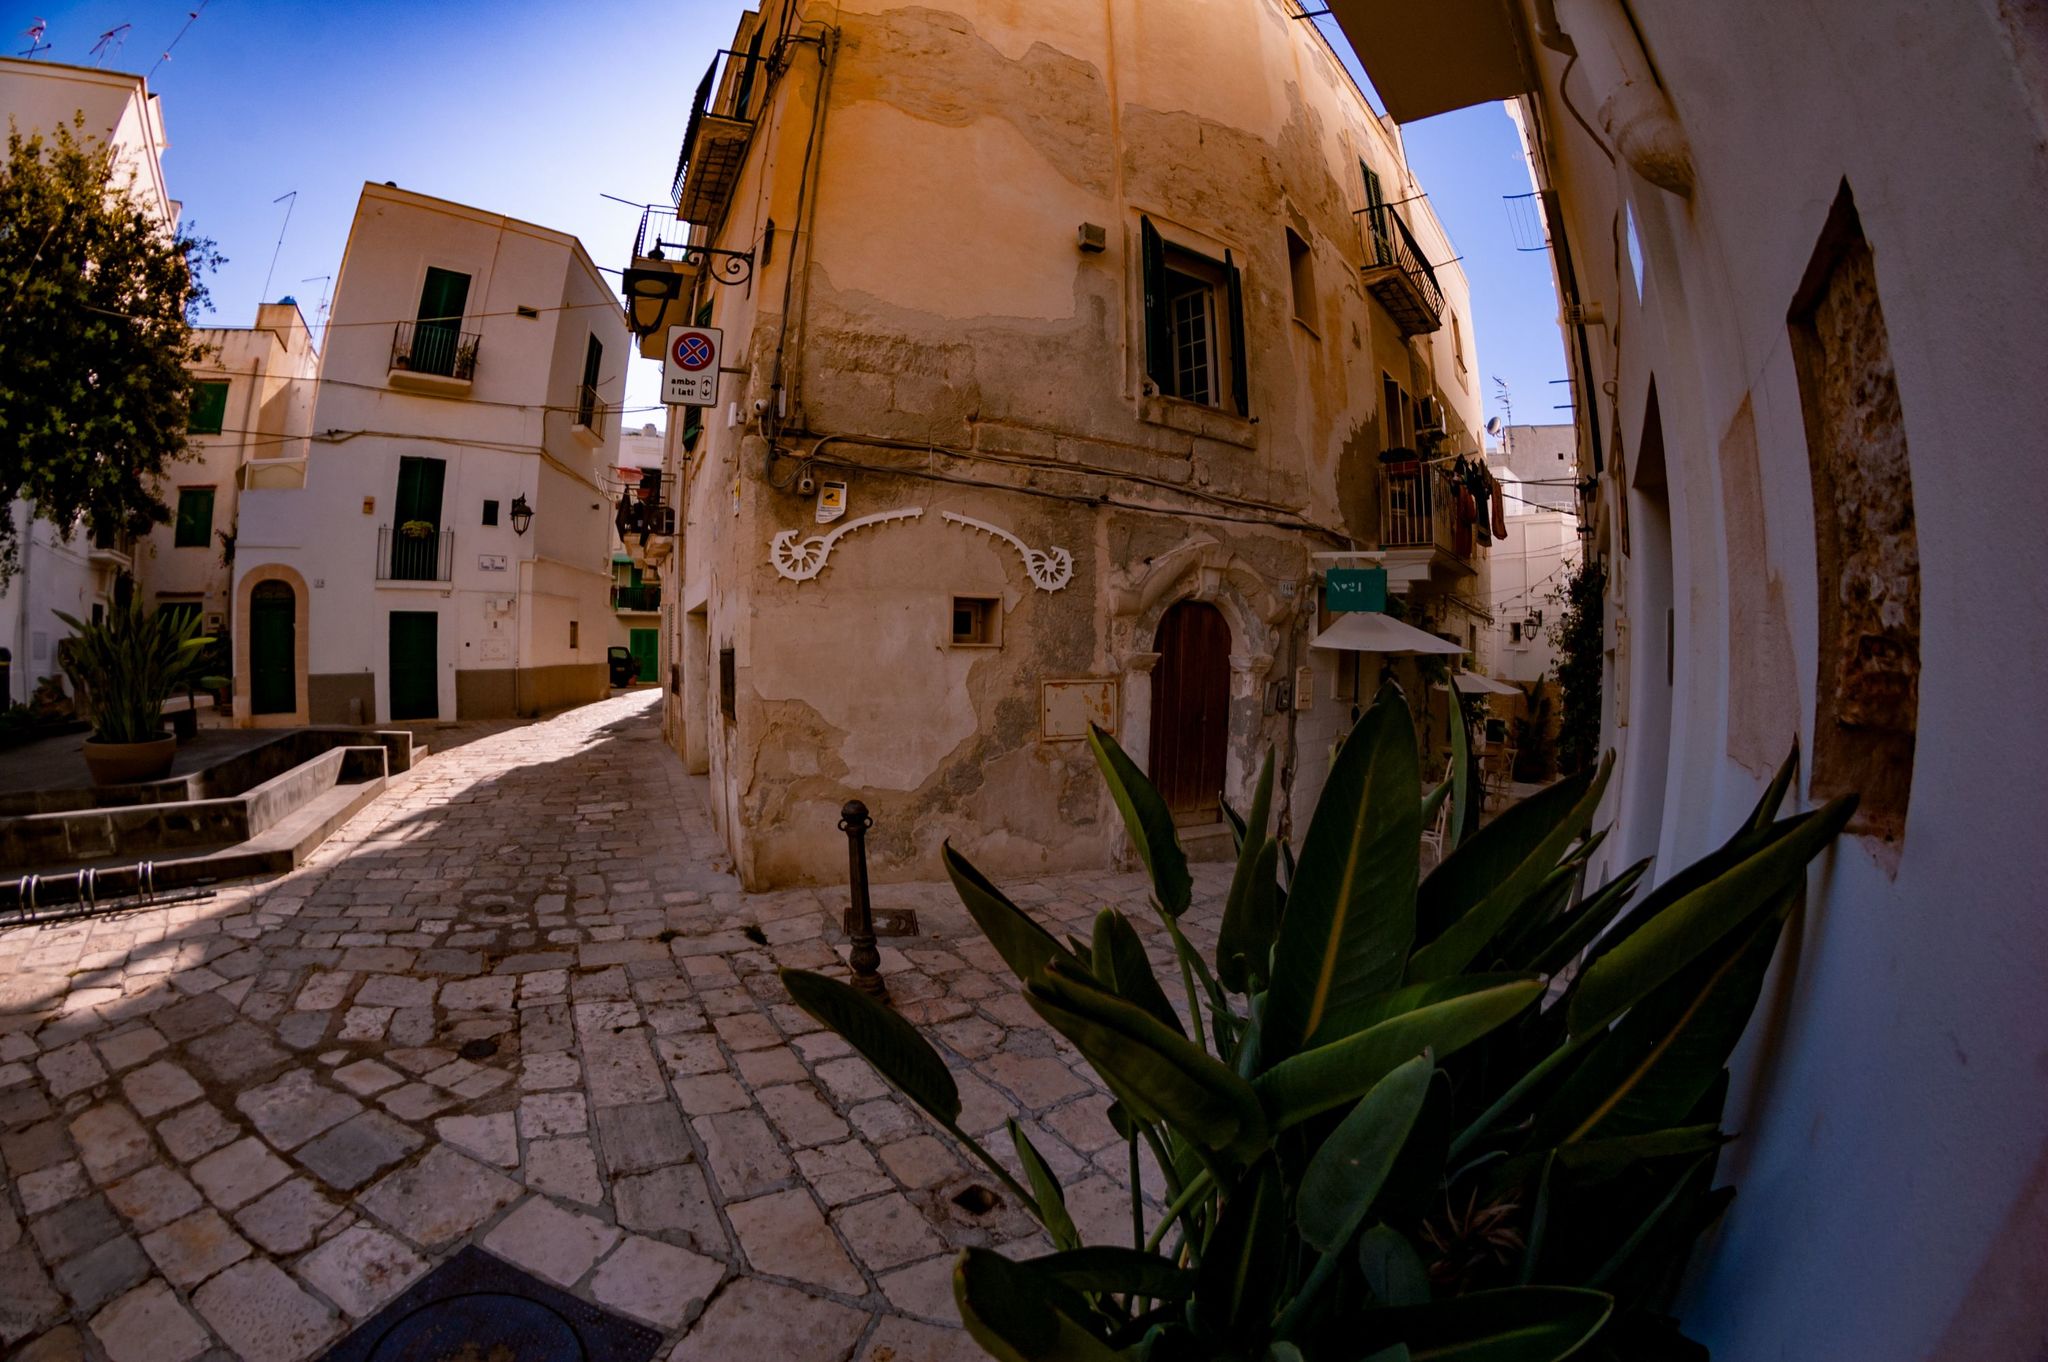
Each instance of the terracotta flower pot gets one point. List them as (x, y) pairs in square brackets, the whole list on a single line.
[(126, 763)]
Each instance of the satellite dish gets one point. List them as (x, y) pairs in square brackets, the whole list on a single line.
[(1493, 425)]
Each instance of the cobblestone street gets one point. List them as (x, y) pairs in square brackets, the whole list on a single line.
[(519, 1002)]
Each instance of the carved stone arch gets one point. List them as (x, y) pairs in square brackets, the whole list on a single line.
[(1198, 569), (301, 637)]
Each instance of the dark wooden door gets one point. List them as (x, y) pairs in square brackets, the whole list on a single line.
[(415, 684), (1191, 710), (273, 649)]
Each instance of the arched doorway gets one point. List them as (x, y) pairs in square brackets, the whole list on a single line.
[(273, 649), (1191, 710)]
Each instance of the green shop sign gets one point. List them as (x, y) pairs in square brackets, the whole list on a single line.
[(1361, 589)]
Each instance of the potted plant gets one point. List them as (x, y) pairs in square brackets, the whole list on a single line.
[(123, 669), (417, 529)]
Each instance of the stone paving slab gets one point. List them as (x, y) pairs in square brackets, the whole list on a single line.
[(520, 1002)]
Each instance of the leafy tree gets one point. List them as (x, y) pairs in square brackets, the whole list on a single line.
[(97, 300), (1580, 661)]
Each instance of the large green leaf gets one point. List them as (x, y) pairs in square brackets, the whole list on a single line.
[(1350, 905), (1149, 820), (1766, 811), (1463, 814), (1512, 860), (1120, 965), (1245, 1263), (1012, 1311), (884, 1039), (1373, 1010), (1245, 939), (1111, 1269), (1045, 1190), (1024, 945), (1468, 875), (1511, 1324), (1680, 933), (1650, 1070), (1393, 1270), (1334, 1074), (1577, 929), (1341, 1180), (1152, 1068)]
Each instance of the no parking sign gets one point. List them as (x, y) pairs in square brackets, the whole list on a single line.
[(689, 367)]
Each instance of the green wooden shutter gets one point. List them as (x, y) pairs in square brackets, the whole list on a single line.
[(1158, 324), (419, 490), (209, 408), (1240, 361), (444, 295), (1376, 218), (195, 518)]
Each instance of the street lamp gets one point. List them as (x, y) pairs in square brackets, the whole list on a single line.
[(648, 295), (522, 514)]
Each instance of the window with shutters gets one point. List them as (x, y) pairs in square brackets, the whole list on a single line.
[(209, 408), (195, 518), (1194, 325)]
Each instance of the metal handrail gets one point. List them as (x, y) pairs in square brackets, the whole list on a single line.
[(435, 345), (403, 557), (646, 596)]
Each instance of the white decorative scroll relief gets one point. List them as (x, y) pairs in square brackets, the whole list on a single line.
[(1050, 569), (801, 562)]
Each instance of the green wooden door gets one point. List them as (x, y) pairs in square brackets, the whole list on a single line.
[(273, 649), (415, 682), (437, 334), (417, 558), (645, 645)]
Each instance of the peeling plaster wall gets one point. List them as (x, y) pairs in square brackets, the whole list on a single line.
[(945, 346)]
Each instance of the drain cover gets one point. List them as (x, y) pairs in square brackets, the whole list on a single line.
[(483, 1047), (476, 1308)]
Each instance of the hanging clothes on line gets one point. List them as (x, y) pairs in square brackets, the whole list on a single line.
[(1500, 507)]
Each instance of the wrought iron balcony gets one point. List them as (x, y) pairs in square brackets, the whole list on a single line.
[(644, 598), (729, 99), (415, 556), (435, 348), (1419, 511), (1399, 274)]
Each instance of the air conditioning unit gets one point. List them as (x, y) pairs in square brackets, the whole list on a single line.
[(1582, 314), (664, 521)]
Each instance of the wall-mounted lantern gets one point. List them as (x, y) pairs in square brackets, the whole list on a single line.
[(522, 514)]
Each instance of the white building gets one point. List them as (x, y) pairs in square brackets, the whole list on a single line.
[(1805, 320), (440, 551), (636, 587), (65, 568), (253, 402), (1536, 467)]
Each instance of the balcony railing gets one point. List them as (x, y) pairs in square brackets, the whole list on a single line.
[(646, 597), (1399, 273), (432, 347), (403, 557), (590, 409), (729, 99), (1419, 510)]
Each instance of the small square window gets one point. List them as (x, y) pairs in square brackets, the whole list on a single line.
[(1302, 274), (977, 622), (572, 635), (727, 680), (490, 513)]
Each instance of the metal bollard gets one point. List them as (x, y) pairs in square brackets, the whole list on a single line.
[(866, 958)]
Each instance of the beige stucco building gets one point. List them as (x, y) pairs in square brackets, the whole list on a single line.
[(1057, 341), (1806, 326)]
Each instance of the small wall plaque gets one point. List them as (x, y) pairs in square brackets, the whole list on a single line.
[(1066, 708)]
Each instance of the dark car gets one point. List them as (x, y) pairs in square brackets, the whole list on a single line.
[(619, 662)]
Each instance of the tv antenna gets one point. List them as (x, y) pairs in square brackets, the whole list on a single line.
[(290, 201), (35, 34), (326, 282), (109, 44), (191, 18)]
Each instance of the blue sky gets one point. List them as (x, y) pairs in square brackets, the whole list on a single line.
[(538, 110)]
